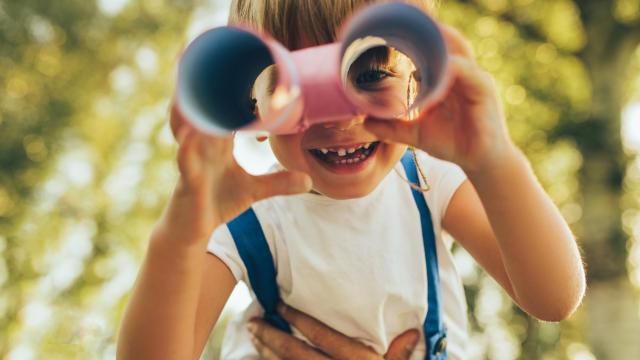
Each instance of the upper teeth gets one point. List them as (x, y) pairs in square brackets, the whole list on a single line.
[(345, 151)]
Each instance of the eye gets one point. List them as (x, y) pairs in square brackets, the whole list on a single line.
[(371, 76), (253, 105)]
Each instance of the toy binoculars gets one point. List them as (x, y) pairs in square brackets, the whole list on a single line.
[(390, 61)]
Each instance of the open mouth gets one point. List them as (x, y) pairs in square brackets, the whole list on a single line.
[(342, 157)]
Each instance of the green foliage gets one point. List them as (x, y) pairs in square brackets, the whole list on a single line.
[(88, 161), (86, 164)]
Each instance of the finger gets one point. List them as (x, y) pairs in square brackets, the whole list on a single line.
[(397, 131), (472, 82), (281, 183), (265, 352), (457, 44), (282, 344), (187, 152), (176, 120), (402, 346), (215, 148), (182, 133), (180, 128), (328, 340)]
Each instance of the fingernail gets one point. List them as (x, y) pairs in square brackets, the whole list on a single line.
[(181, 133), (254, 341), (252, 327)]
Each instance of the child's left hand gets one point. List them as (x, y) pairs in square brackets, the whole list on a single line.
[(467, 127)]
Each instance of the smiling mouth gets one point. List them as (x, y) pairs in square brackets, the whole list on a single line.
[(345, 156)]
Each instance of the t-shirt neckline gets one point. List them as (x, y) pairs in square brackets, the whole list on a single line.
[(323, 199)]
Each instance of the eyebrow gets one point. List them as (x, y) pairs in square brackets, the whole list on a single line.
[(379, 56)]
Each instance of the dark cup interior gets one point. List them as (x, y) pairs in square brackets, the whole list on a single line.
[(216, 74)]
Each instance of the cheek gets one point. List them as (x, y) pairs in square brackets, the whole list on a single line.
[(393, 154), (397, 151), (288, 151)]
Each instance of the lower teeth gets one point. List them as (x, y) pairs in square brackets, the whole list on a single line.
[(353, 158), (351, 161)]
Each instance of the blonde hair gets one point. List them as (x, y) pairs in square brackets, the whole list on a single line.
[(289, 21)]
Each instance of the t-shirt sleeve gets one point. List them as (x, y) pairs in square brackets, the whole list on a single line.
[(221, 244), (445, 178)]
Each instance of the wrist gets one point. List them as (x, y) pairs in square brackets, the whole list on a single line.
[(173, 235), (496, 166), (185, 222), (165, 250)]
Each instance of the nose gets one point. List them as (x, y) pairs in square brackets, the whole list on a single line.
[(343, 125)]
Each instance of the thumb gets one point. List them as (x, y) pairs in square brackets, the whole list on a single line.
[(402, 346), (281, 183), (398, 131)]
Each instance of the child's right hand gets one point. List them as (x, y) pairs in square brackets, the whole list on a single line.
[(212, 188)]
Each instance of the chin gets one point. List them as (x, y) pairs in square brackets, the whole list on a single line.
[(342, 192), (339, 168), (336, 176)]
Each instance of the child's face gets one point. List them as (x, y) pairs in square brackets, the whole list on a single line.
[(342, 158)]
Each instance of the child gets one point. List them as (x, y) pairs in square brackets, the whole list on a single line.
[(355, 245)]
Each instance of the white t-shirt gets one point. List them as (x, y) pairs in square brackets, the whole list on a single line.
[(357, 265)]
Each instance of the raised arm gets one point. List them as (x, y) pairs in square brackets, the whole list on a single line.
[(502, 216), (181, 289), (510, 226), (177, 298)]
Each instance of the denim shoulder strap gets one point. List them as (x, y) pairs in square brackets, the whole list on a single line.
[(434, 331), (256, 256)]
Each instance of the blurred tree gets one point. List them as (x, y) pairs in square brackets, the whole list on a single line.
[(82, 82)]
